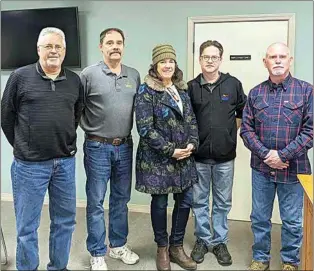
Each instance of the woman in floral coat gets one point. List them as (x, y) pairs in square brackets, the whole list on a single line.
[(164, 164)]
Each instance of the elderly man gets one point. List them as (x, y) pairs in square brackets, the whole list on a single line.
[(107, 120), (277, 127), (40, 111)]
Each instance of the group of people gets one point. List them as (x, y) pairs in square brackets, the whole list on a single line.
[(187, 147)]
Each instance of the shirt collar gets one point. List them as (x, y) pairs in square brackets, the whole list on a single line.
[(107, 70), (284, 85), (204, 82), (61, 75)]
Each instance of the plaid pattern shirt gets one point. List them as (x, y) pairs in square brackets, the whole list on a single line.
[(280, 117)]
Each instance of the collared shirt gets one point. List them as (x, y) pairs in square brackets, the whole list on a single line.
[(210, 86), (280, 117), (109, 100)]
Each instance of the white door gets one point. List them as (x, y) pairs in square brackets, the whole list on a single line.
[(248, 38)]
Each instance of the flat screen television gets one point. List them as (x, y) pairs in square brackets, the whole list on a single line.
[(20, 30)]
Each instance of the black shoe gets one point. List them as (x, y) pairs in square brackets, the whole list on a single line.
[(222, 254), (199, 251)]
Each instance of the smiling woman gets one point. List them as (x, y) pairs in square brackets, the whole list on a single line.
[(164, 164)]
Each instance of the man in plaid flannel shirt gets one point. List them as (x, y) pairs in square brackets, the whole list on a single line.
[(277, 127)]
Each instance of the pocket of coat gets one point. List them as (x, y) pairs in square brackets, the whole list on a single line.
[(261, 109), (293, 113), (223, 143)]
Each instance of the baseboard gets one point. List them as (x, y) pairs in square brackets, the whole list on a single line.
[(81, 203), (137, 208)]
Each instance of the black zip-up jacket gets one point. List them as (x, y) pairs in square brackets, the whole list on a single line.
[(39, 116), (216, 114)]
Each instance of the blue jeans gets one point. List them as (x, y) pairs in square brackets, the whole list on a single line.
[(180, 216), (220, 177), (290, 198), (30, 181), (102, 162)]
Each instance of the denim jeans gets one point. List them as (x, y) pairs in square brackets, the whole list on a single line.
[(180, 216), (290, 199), (102, 162), (30, 181), (219, 176)]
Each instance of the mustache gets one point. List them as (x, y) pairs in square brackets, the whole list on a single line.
[(116, 51)]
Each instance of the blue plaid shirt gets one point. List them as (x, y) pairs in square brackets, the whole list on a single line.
[(280, 117)]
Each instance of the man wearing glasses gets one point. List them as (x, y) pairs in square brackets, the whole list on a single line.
[(40, 111), (217, 99)]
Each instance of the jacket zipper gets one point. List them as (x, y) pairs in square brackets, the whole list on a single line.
[(210, 123), (53, 86)]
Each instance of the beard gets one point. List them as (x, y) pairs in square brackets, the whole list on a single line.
[(278, 72)]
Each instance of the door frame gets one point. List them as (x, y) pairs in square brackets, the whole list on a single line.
[(289, 17)]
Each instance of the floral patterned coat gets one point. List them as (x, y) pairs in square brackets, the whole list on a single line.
[(162, 128)]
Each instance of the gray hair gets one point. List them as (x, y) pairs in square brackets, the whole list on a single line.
[(51, 30), (284, 45)]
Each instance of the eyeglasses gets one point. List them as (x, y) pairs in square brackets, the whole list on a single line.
[(49, 47), (213, 58)]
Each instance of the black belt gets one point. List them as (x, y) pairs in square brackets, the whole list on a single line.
[(113, 141)]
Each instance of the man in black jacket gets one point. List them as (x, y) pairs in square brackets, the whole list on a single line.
[(217, 99), (40, 111)]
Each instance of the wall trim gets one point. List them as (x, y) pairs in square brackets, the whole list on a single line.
[(136, 208)]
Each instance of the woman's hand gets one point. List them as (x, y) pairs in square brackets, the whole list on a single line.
[(191, 147), (180, 154)]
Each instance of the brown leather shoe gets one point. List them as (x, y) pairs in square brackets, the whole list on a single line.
[(178, 256), (162, 259)]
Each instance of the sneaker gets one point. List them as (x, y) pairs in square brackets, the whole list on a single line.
[(98, 263), (125, 254), (258, 266), (199, 251), (222, 254), (289, 267)]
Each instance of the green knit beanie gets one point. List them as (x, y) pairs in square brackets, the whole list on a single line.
[(163, 51)]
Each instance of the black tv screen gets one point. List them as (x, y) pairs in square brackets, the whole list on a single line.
[(20, 30)]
